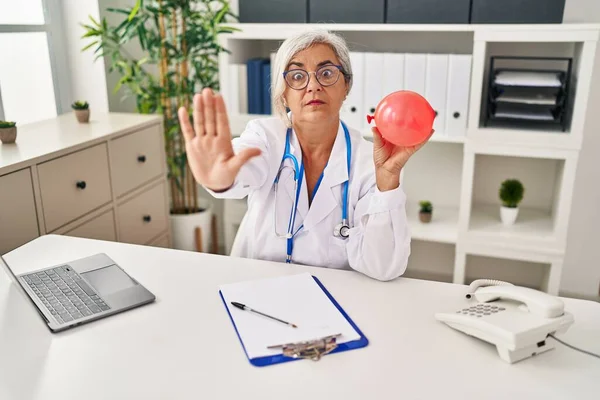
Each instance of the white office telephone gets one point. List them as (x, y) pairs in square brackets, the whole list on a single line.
[(516, 319)]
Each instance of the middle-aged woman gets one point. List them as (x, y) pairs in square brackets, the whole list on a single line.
[(318, 192)]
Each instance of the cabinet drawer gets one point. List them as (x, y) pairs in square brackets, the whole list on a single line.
[(136, 158), (143, 217), (74, 185), (18, 216), (102, 228)]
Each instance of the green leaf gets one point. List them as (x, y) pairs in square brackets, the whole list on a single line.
[(119, 10), (88, 46), (94, 21), (135, 9), (221, 14)]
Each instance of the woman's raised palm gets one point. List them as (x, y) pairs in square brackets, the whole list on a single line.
[(208, 143)]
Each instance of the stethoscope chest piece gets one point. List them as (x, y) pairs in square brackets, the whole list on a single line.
[(341, 230)]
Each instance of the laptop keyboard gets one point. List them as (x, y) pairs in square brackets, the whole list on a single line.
[(65, 294)]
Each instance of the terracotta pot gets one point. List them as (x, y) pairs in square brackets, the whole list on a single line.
[(8, 135), (83, 116), (425, 216)]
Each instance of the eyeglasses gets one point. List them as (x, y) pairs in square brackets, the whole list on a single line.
[(327, 75)]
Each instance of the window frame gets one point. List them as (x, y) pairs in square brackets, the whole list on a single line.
[(55, 35)]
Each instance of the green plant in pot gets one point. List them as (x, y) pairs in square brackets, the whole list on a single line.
[(180, 42), (511, 194), (82, 111), (8, 131), (425, 211)]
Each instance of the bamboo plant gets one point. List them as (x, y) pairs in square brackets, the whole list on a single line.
[(180, 40)]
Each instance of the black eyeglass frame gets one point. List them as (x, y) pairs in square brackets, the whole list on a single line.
[(339, 67)]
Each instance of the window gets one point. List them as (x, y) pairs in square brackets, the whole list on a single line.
[(32, 58)]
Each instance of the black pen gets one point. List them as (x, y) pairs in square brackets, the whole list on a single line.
[(246, 308)]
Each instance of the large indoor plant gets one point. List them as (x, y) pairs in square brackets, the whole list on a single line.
[(180, 40)]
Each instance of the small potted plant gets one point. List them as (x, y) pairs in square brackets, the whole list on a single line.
[(425, 211), (8, 131), (82, 111), (511, 193)]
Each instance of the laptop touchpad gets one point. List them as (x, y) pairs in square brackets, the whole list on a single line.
[(108, 280)]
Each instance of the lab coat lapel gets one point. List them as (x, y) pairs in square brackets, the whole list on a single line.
[(335, 174)]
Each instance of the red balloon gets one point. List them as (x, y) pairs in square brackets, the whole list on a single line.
[(404, 118)]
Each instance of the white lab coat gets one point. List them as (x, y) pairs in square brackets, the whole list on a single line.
[(379, 239)]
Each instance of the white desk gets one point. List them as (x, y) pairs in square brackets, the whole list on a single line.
[(184, 346)]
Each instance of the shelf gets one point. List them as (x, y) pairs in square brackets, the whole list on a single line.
[(531, 224), (525, 138), (431, 261), (283, 30), (443, 227), (518, 272), (238, 123)]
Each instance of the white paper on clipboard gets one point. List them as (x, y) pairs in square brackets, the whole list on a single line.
[(296, 299)]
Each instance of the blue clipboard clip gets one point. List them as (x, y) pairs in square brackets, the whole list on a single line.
[(312, 350)]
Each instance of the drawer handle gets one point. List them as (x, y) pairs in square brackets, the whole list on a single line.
[(81, 184), (147, 218), (142, 159)]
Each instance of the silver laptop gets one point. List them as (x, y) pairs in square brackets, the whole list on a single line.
[(80, 291)]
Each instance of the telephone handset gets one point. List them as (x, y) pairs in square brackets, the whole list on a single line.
[(515, 319)]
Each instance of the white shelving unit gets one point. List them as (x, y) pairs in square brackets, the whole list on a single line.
[(461, 174)]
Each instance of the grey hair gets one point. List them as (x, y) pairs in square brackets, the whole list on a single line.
[(295, 44)]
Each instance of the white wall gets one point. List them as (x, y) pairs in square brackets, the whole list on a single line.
[(116, 101), (88, 79), (581, 274)]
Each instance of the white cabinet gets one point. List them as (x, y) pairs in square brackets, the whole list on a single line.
[(18, 217), (104, 180)]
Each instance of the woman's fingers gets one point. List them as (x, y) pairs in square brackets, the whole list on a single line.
[(198, 115), (186, 126), (222, 120), (236, 162), (425, 141), (208, 102)]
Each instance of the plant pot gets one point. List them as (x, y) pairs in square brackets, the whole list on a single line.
[(8, 135), (508, 215), (425, 217), (83, 116), (183, 228)]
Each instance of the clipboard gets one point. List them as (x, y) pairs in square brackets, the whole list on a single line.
[(312, 349)]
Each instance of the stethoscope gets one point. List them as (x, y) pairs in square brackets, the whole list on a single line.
[(342, 229)]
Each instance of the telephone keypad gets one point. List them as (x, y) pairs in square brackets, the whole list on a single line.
[(480, 310)]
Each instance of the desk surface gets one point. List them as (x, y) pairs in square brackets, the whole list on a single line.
[(183, 346)]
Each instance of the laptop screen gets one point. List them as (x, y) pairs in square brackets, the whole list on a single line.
[(8, 270)]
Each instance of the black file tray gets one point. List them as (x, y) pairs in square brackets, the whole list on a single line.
[(522, 106)]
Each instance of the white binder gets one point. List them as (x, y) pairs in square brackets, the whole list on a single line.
[(414, 72), (393, 72), (436, 82), (233, 103), (373, 81), (457, 105), (353, 110)]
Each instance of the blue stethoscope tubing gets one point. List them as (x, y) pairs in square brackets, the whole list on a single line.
[(341, 230)]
